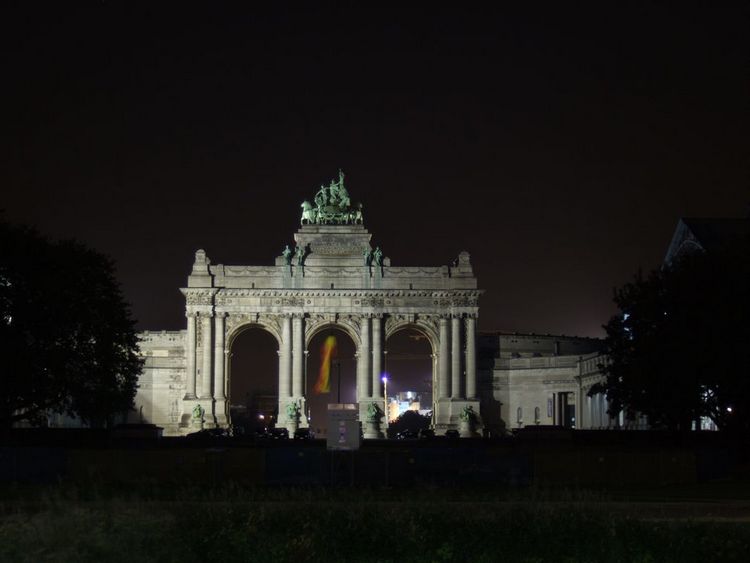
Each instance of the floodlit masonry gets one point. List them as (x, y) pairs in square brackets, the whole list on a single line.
[(334, 278)]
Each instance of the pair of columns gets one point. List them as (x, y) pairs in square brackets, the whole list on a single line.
[(212, 345), (370, 359), (450, 384), (292, 357)]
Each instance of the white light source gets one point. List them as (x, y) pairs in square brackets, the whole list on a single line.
[(384, 379)]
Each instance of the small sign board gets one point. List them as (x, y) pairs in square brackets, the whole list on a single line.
[(344, 431)]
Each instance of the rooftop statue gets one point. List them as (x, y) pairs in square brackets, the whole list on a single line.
[(287, 254), (332, 206)]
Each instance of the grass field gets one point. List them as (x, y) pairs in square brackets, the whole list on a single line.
[(233, 523)]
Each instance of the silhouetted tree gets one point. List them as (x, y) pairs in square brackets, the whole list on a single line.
[(409, 420), (67, 340), (679, 348)]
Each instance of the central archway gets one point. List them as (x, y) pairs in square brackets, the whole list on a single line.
[(342, 369)]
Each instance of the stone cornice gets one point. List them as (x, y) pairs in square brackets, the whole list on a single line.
[(365, 293)]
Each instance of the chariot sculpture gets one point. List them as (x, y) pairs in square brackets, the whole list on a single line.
[(332, 206)]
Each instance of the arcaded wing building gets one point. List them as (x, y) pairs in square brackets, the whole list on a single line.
[(535, 379)]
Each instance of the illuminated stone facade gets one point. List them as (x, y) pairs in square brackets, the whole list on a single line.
[(540, 380), (334, 278)]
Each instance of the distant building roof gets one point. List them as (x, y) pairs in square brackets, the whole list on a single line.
[(707, 234)]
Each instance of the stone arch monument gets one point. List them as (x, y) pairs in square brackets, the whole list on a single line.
[(333, 277)]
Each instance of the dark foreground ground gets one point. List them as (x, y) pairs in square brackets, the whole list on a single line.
[(232, 523), (588, 499)]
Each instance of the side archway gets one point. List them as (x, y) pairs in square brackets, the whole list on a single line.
[(252, 376), (410, 368)]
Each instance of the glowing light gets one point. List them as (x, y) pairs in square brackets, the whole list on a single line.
[(729, 409), (327, 352)]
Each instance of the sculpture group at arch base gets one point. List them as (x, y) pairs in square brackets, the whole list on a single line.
[(331, 285)]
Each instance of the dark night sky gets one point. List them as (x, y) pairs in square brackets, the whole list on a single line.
[(559, 147)]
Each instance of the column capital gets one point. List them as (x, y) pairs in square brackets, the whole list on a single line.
[(205, 314), (220, 314), (190, 314)]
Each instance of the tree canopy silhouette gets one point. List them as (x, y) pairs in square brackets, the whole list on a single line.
[(68, 342), (679, 349), (409, 420)]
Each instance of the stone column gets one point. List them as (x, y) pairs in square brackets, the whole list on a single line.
[(219, 379), (471, 358), (206, 342), (285, 360), (363, 360), (298, 355), (456, 358), (190, 356), (377, 357), (445, 367)]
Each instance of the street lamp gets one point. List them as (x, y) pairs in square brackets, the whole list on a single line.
[(384, 379)]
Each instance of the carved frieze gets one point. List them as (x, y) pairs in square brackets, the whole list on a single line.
[(333, 247), (199, 297)]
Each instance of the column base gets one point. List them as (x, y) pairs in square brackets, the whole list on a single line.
[(192, 424), (449, 416), (372, 430), (284, 421), (304, 422), (220, 413)]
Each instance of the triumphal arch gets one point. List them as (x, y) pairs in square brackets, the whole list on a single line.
[(332, 277)]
